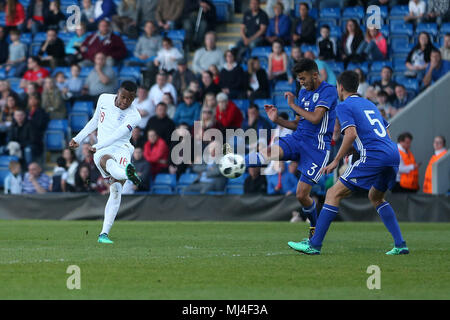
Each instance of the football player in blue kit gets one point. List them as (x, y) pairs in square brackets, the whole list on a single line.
[(375, 171), (313, 127)]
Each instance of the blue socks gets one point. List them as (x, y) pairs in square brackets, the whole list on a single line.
[(311, 213), (255, 159), (390, 221), (326, 216)]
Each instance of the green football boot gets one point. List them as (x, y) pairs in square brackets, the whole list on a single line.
[(132, 174), (303, 247), (398, 250), (103, 238)]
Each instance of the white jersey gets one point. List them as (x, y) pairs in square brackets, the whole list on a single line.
[(114, 124)]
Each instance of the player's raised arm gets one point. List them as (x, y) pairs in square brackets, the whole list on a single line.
[(312, 116), (272, 113), (87, 130)]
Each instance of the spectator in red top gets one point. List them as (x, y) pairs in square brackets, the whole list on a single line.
[(103, 41), (156, 152), (35, 73), (374, 47), (227, 114), (15, 13)]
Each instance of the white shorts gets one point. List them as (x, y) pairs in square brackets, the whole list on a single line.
[(120, 153)]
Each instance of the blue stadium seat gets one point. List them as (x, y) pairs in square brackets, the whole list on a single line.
[(353, 12), (261, 102), (371, 78), (2, 18), (327, 21), (398, 12), (335, 32), (399, 65), (222, 10), (383, 12), (39, 37), (65, 36), (283, 86), (336, 66), (445, 28), (3, 174), (84, 106), (237, 181), (430, 28), (385, 31), (15, 84), (54, 140), (187, 179), (378, 65), (5, 160), (398, 27), (400, 45), (59, 124), (280, 102), (164, 183), (26, 38), (242, 105), (329, 4), (176, 34), (77, 120), (85, 71), (161, 190), (34, 48), (364, 66), (330, 13), (261, 52), (409, 83), (237, 190), (310, 47), (65, 70), (130, 72)]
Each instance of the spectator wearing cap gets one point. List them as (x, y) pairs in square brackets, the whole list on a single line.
[(167, 57), (148, 45), (436, 69), (187, 111), (104, 41), (228, 114), (232, 77), (182, 76), (303, 28), (208, 55), (35, 181)]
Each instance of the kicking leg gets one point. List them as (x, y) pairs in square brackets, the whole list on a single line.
[(109, 165), (387, 215), (262, 158), (111, 209)]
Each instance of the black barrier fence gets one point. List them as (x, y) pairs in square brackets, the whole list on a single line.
[(66, 206)]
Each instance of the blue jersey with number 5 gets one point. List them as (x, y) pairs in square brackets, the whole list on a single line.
[(373, 142)]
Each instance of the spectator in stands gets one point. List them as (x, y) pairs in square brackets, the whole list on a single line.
[(438, 11), (137, 138), (101, 79), (270, 7), (104, 9), (161, 123), (232, 77), (228, 114), (194, 86), (74, 84), (124, 22), (167, 57), (35, 181), (256, 122), (52, 51), (215, 72), (208, 86), (436, 69), (208, 55), (402, 98), (88, 161), (52, 100), (283, 182), (35, 73), (374, 47), (255, 183), (386, 84), (195, 28), (417, 9), (72, 166), (61, 83), (326, 73), (39, 120), (296, 56), (419, 57), (445, 50), (146, 12), (278, 62), (37, 11), (279, 26), (171, 108), (88, 15), (83, 181), (148, 45), (439, 152), (21, 132), (383, 102), (4, 46), (31, 88), (5, 92), (304, 27), (55, 19), (14, 14), (187, 111), (258, 82), (73, 47), (104, 41), (350, 42), (156, 153), (253, 29), (168, 13), (210, 102), (408, 170), (144, 106), (326, 46), (208, 117), (59, 178), (363, 85), (160, 87), (13, 181), (143, 169), (182, 76)]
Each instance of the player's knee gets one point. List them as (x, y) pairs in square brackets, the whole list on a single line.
[(375, 199), (302, 195), (103, 161)]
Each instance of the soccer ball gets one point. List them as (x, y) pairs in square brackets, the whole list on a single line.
[(232, 165)]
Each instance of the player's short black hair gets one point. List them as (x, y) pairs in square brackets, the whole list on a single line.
[(129, 86), (305, 64), (349, 79), (403, 136)]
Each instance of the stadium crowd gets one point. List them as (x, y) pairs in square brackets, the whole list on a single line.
[(48, 71)]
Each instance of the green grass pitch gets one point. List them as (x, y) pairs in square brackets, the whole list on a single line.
[(219, 260)]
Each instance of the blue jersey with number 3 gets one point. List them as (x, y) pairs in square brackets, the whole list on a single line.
[(373, 142)]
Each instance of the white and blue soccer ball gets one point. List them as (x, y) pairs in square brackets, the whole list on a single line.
[(232, 165)]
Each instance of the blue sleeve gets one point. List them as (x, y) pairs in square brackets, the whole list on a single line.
[(270, 186), (345, 116), (327, 98), (108, 9), (386, 124)]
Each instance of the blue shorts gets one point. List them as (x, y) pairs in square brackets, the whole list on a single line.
[(310, 159), (359, 175)]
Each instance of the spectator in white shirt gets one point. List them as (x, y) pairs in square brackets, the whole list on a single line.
[(160, 87), (416, 11), (13, 181), (144, 105), (168, 56)]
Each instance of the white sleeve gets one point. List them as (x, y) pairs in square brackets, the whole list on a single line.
[(90, 126), (402, 168), (129, 124)]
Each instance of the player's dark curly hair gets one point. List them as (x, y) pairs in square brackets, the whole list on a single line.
[(349, 79), (305, 64), (130, 86)]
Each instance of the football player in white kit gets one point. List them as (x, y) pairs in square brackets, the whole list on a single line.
[(115, 119)]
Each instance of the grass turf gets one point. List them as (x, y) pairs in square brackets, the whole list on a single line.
[(219, 260)]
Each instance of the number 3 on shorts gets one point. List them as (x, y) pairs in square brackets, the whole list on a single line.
[(311, 171)]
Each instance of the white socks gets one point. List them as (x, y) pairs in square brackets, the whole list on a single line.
[(112, 206), (116, 171)]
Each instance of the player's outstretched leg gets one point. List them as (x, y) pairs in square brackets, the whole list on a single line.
[(132, 174), (308, 205), (387, 215), (111, 209), (113, 168)]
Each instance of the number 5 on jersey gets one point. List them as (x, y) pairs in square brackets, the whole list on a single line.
[(374, 122)]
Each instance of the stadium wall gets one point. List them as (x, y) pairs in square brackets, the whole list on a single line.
[(416, 208), (425, 117)]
